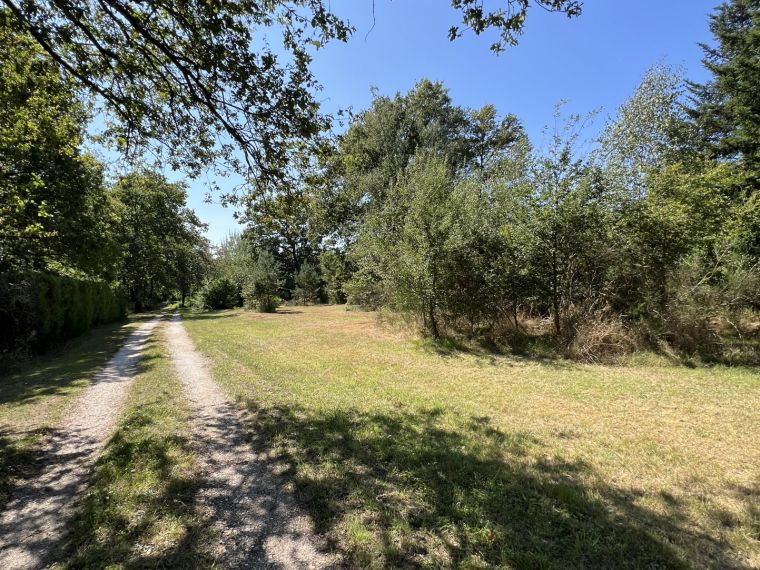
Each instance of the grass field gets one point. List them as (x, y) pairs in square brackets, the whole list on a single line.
[(406, 457), (34, 394)]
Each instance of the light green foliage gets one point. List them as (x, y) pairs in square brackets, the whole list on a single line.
[(54, 212), (234, 260)]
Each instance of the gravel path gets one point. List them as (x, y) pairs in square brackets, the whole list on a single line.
[(256, 517), (34, 522)]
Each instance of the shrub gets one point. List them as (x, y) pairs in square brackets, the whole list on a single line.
[(220, 293), (601, 339), (38, 309), (261, 291)]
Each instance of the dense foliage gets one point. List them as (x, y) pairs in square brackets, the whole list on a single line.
[(37, 309), (645, 233)]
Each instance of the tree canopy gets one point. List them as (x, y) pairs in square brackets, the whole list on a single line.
[(198, 82)]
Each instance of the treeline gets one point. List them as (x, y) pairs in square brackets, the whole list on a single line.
[(76, 247), (647, 233)]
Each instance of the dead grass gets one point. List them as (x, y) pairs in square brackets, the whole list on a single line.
[(409, 457)]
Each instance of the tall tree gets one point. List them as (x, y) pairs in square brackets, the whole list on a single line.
[(54, 211), (156, 228), (727, 108), (199, 80)]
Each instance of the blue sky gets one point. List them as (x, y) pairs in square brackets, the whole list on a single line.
[(594, 61)]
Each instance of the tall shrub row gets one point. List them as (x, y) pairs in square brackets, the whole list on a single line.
[(38, 309)]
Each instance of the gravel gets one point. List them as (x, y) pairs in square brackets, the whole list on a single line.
[(34, 523), (256, 518)]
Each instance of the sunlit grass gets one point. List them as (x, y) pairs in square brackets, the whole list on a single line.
[(409, 458), (141, 510), (34, 394)]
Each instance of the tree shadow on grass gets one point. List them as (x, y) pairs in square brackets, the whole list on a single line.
[(55, 371), (406, 489), (141, 511), (24, 453)]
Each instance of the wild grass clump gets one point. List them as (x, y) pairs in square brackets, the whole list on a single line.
[(603, 340)]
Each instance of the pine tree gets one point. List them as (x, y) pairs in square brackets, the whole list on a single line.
[(727, 109)]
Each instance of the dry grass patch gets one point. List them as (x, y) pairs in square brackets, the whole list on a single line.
[(407, 457)]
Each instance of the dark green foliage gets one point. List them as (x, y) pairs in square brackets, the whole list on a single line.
[(161, 237), (161, 69), (220, 293), (54, 210), (264, 283), (508, 18), (39, 309), (333, 268), (308, 284), (727, 108)]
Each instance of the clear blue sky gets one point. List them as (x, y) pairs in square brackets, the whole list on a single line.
[(592, 61)]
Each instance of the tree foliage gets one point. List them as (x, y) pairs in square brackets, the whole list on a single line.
[(156, 228), (54, 211)]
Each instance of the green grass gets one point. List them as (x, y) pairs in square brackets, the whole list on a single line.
[(34, 394), (140, 511), (407, 457)]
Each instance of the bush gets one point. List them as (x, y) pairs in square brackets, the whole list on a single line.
[(220, 293), (264, 282), (38, 309)]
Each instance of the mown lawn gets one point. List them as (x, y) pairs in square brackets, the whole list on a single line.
[(141, 510), (409, 458), (34, 394)]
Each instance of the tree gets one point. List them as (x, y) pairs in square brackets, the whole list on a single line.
[(264, 284), (192, 264), (490, 138), (332, 264), (198, 81), (649, 131), (569, 226), (727, 109), (183, 79), (308, 283), (280, 221), (54, 211), (155, 227)]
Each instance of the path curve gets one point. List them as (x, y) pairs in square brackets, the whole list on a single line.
[(35, 520), (258, 522)]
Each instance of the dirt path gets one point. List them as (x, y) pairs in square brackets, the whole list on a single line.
[(34, 522), (256, 518)]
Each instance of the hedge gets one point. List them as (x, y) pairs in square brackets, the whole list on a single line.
[(38, 309)]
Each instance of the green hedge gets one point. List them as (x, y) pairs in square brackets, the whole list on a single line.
[(38, 309)]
